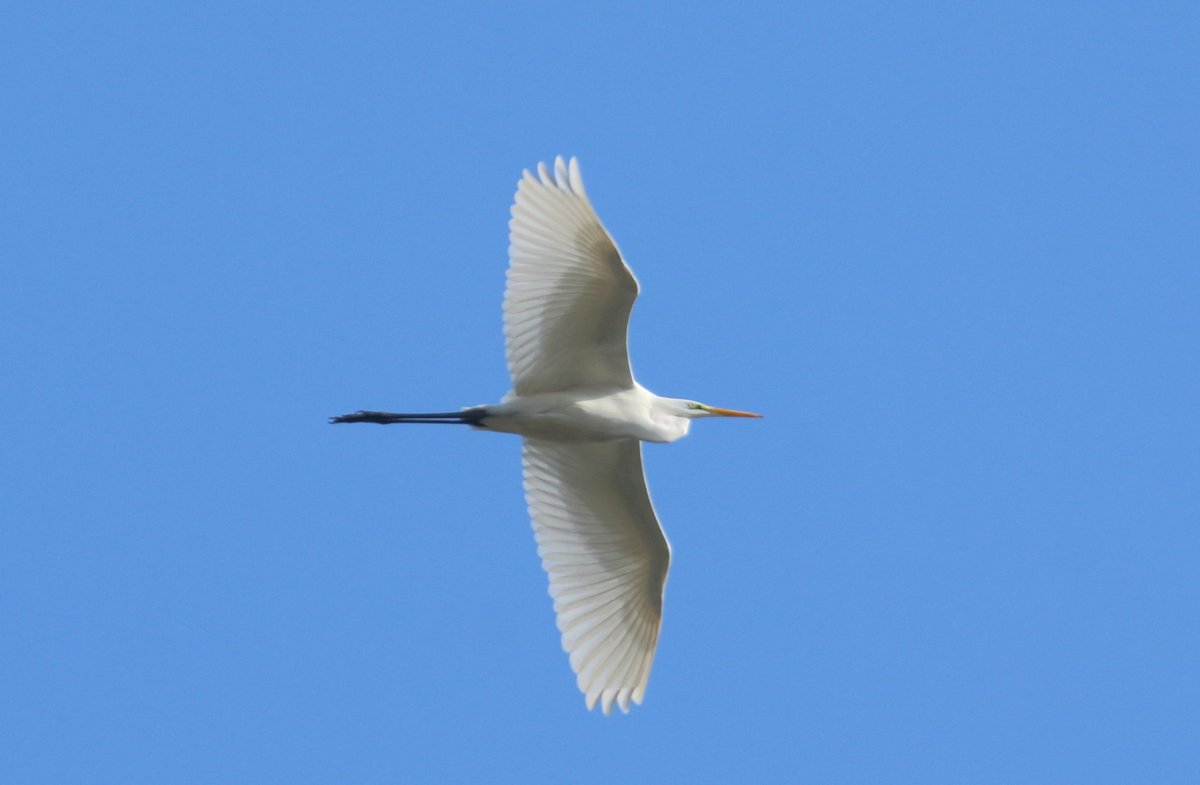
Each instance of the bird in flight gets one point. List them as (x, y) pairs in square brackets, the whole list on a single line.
[(583, 417)]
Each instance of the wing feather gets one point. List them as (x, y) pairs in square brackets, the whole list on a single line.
[(568, 294), (606, 557)]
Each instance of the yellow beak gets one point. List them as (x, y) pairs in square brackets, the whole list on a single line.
[(730, 412)]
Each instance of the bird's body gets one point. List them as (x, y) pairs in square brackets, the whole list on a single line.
[(583, 417), (595, 414)]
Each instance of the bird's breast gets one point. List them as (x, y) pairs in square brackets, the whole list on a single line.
[(574, 417)]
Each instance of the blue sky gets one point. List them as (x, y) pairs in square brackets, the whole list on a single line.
[(950, 251)]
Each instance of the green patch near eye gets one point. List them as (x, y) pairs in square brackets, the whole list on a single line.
[(695, 406)]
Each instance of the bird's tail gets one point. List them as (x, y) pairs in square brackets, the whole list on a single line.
[(470, 416)]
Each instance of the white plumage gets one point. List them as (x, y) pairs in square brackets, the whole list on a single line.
[(583, 418), (606, 557), (569, 294)]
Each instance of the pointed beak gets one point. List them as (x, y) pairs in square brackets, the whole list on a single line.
[(730, 412)]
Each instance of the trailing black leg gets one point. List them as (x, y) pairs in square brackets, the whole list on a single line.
[(463, 417)]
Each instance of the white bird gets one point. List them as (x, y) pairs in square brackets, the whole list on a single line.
[(582, 416)]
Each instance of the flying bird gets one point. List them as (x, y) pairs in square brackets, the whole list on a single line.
[(583, 417)]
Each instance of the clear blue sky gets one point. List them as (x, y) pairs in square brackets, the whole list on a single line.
[(951, 252)]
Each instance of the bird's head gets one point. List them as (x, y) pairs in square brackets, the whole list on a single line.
[(673, 416), (693, 410)]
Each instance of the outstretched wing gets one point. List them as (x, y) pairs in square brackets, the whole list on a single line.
[(569, 293), (607, 559)]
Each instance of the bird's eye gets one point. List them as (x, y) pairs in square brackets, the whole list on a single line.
[(695, 406)]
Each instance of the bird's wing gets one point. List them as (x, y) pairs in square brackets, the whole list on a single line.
[(607, 559), (569, 293)]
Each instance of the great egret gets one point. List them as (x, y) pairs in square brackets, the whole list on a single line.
[(582, 416)]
